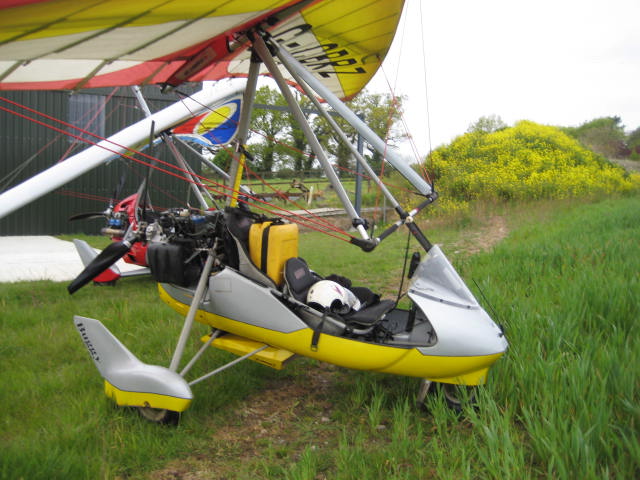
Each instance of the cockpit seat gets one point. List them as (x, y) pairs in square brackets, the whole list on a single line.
[(299, 279), (370, 315)]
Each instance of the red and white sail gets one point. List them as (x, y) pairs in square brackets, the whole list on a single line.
[(72, 44)]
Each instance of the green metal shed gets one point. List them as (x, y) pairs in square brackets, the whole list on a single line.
[(27, 148)]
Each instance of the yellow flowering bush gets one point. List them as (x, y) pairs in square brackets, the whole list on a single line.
[(527, 161)]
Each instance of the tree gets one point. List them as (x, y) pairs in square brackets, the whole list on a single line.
[(489, 124), (633, 143), (381, 112), (278, 140), (604, 135), (222, 159), (269, 125)]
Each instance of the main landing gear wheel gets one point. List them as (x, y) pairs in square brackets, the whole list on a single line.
[(160, 415)]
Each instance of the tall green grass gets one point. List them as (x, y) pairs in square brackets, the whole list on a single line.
[(563, 402), (55, 420), (569, 295)]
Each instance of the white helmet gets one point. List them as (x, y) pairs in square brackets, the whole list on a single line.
[(333, 296)]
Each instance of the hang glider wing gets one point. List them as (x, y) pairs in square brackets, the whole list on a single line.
[(73, 44)]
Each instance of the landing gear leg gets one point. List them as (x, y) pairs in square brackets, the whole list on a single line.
[(425, 386), (171, 417)]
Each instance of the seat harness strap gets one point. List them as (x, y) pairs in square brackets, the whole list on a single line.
[(317, 331), (265, 248)]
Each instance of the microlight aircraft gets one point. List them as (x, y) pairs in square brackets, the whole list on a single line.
[(234, 268)]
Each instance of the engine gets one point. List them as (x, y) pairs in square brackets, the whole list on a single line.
[(179, 241)]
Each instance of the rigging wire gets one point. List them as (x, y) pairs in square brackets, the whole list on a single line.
[(364, 176), (313, 218), (412, 142), (426, 92), (320, 222), (83, 196), (394, 108), (10, 177), (424, 71), (255, 202), (89, 122), (292, 148), (319, 219)]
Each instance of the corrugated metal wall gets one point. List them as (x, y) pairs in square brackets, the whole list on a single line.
[(27, 148)]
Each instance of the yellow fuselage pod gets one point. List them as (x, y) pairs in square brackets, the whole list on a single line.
[(291, 333)]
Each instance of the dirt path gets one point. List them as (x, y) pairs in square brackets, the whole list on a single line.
[(628, 165), (268, 420), (482, 239)]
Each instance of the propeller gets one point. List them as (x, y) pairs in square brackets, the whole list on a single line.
[(86, 215), (114, 252)]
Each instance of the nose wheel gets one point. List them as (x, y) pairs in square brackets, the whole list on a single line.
[(456, 396)]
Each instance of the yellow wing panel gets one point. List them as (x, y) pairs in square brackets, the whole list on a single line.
[(361, 28), (68, 17)]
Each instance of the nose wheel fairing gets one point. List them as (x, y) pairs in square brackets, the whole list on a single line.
[(462, 326)]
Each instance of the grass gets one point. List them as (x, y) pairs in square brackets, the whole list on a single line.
[(563, 403)]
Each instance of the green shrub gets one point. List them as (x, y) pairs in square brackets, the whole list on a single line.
[(527, 161)]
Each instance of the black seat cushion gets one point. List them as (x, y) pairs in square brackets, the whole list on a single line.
[(371, 314), (299, 278), (238, 224), (236, 244)]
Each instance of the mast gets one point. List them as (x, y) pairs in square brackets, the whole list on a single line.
[(239, 156)]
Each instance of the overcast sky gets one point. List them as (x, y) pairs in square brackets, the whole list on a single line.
[(556, 62)]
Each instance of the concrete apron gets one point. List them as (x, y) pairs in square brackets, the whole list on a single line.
[(31, 258)]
